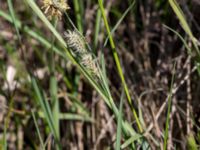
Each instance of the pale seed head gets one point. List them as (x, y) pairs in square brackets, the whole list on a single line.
[(75, 41), (55, 8), (77, 44), (88, 62)]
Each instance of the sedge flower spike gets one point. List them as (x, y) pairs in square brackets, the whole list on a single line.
[(77, 44), (55, 8), (75, 41)]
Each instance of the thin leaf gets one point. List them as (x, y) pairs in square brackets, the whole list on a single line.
[(119, 123), (179, 13), (38, 131), (45, 107), (120, 21), (70, 116), (32, 33), (131, 140), (169, 109), (10, 6), (118, 65)]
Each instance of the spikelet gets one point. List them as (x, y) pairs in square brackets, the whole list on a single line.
[(89, 63), (55, 8), (77, 44)]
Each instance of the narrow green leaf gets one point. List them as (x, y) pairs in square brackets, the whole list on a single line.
[(119, 123), (131, 140), (169, 109), (38, 130), (118, 65), (45, 107), (13, 18), (191, 142), (179, 13), (119, 21), (70, 116), (32, 33)]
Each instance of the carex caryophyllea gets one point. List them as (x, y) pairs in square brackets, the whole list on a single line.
[(78, 46)]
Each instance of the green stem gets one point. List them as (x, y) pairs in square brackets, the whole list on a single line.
[(169, 109), (78, 15), (119, 68), (53, 88)]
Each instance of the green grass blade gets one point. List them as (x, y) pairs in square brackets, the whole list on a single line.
[(169, 109), (55, 105), (10, 6), (4, 140), (65, 78), (71, 116), (45, 108), (78, 15), (120, 21), (125, 125), (131, 140), (191, 142), (119, 123), (32, 33), (118, 65), (37, 129), (181, 38), (97, 29), (53, 89), (179, 13)]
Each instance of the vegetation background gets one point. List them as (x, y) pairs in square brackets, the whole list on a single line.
[(143, 94)]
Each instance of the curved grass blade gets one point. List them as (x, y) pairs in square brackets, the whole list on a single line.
[(179, 13), (119, 21)]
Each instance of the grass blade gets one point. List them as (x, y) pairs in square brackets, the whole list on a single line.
[(118, 65), (97, 28), (53, 89), (13, 18), (55, 104), (46, 108), (78, 15), (32, 33), (179, 13), (169, 109), (70, 116), (119, 123), (38, 131), (181, 38), (119, 21), (131, 140)]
